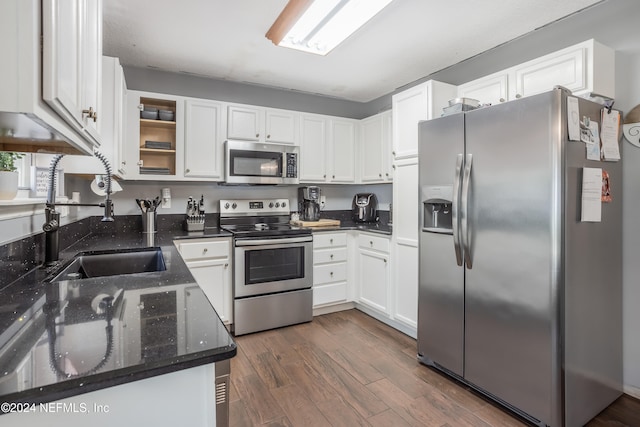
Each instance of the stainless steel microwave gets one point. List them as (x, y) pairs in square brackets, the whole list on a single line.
[(256, 163)]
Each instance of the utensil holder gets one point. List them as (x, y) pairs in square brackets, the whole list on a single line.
[(149, 223)]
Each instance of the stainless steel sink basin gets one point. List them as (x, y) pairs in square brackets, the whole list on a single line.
[(111, 263)]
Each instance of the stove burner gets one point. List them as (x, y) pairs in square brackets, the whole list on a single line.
[(261, 226)]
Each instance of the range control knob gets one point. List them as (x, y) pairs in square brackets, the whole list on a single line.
[(271, 204), (284, 204), (226, 205), (234, 205), (277, 204)]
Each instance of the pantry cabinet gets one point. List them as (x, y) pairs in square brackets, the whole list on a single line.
[(209, 262), (262, 124), (421, 102), (72, 53)]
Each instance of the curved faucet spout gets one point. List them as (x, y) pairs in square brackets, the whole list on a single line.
[(52, 217)]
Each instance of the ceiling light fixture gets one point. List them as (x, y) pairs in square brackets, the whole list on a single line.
[(318, 26)]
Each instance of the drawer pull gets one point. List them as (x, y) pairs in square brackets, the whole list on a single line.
[(371, 242), (226, 264), (331, 256), (204, 251), (330, 240), (331, 273)]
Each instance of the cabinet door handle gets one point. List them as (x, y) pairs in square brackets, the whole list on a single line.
[(331, 256), (257, 135), (204, 251), (334, 177), (393, 167), (226, 264), (385, 260), (371, 242), (380, 175), (518, 96), (324, 176), (90, 114), (387, 174), (268, 136), (393, 152), (331, 273), (501, 99), (330, 240), (187, 170)]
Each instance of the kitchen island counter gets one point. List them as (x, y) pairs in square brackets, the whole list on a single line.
[(64, 338)]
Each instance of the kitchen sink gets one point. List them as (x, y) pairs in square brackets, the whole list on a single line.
[(111, 263)]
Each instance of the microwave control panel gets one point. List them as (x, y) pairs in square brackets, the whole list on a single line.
[(292, 165)]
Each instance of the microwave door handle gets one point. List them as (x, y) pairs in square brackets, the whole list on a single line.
[(455, 210)]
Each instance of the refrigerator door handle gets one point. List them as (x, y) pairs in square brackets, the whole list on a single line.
[(455, 210), (464, 211)]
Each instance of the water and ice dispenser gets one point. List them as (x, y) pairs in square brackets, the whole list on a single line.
[(436, 208)]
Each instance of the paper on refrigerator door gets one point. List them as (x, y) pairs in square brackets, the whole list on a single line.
[(610, 135), (591, 195), (573, 118), (591, 137)]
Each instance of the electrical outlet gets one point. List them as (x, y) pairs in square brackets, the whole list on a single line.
[(166, 198)]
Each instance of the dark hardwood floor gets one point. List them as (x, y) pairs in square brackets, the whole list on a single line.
[(348, 369)]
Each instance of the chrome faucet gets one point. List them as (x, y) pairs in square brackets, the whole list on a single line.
[(52, 217)]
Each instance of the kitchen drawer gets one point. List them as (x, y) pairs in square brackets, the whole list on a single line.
[(329, 240), (201, 248), (328, 273), (367, 241), (323, 256), (329, 294)]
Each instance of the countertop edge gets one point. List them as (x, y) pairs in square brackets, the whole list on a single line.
[(79, 386)]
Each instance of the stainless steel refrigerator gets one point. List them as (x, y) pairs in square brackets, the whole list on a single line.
[(518, 297)]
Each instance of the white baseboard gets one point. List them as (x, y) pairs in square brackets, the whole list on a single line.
[(632, 391), (319, 311), (407, 330)]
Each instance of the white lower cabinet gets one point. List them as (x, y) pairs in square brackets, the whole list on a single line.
[(209, 261), (330, 273), (374, 286), (405, 305)]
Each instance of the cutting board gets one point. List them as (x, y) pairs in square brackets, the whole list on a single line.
[(323, 222)]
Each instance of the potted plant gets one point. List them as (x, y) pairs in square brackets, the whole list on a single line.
[(8, 174)]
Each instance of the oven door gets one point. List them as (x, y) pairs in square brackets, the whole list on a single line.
[(266, 266)]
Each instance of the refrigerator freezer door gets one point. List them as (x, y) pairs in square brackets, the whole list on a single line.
[(441, 280), (511, 312)]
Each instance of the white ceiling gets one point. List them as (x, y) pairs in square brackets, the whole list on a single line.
[(408, 40)]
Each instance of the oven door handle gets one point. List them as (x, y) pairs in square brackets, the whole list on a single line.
[(277, 241)]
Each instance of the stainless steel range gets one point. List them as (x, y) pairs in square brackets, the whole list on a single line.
[(273, 265)]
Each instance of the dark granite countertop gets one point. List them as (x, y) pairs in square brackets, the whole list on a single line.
[(63, 338), (382, 226)]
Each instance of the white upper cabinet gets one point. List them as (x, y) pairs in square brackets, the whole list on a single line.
[(421, 102), (262, 124), (72, 53), (204, 136), (375, 149), (313, 148), (111, 125), (342, 156), (281, 126), (492, 89), (583, 68), (327, 149)]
